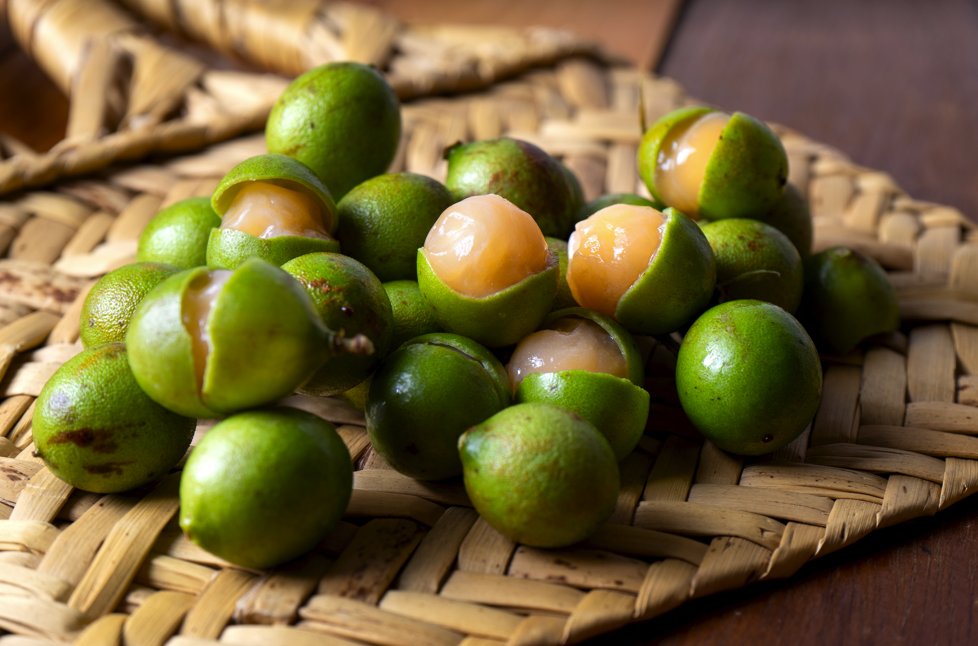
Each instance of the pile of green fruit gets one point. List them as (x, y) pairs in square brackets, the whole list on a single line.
[(238, 301)]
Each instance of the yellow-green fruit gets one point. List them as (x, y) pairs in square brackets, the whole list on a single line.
[(564, 297), (264, 487), (178, 234), (540, 474), (748, 377), (342, 120), (412, 314), (98, 431), (384, 220), (113, 299)]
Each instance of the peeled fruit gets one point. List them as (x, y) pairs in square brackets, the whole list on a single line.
[(424, 395), (848, 297), (110, 304), (652, 271), (748, 377), (486, 271), (265, 486), (520, 172), (712, 165), (178, 234), (540, 474), (343, 120), (97, 430), (273, 208)]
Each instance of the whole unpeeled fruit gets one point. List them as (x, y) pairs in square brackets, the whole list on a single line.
[(412, 314), (540, 474), (178, 234), (265, 486), (98, 431), (113, 299), (749, 377)]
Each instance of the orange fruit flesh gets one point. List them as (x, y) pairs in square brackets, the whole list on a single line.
[(484, 244), (608, 252), (681, 165), (197, 303), (570, 344), (268, 211)]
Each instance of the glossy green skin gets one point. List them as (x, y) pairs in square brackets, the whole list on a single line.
[(611, 199), (677, 285), (261, 309), (348, 299), (743, 247), (228, 248), (178, 234), (110, 304), (792, 217), (497, 320), (518, 171), (98, 431), (475, 351), (748, 377), (384, 220), (651, 144), (847, 298), (617, 407), (624, 340), (343, 120), (264, 487), (424, 396), (564, 297), (540, 474), (280, 170), (412, 314)]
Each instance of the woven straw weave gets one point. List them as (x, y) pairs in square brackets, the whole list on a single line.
[(411, 563)]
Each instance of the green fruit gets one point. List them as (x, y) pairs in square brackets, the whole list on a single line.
[(678, 284), (343, 120), (564, 297), (848, 297), (227, 248), (384, 220), (425, 395), (745, 175), (350, 300), (500, 319), (749, 377), (540, 474), (605, 201), (575, 188), (755, 261), (265, 340), (518, 171), (412, 314), (178, 234), (96, 430), (792, 217), (265, 486), (112, 300)]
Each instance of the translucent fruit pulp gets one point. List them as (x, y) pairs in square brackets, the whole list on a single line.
[(268, 211), (484, 244), (682, 160), (198, 301), (608, 252), (570, 344)]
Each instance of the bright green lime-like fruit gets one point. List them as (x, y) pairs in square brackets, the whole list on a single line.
[(412, 314), (424, 395), (749, 377), (98, 431), (604, 201), (518, 171), (500, 319), (755, 261), (540, 474), (110, 304), (564, 297), (384, 220), (350, 300), (792, 217), (264, 487), (847, 298), (178, 234), (743, 177), (617, 405), (263, 339), (343, 120)]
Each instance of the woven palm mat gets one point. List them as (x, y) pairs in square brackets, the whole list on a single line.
[(412, 563)]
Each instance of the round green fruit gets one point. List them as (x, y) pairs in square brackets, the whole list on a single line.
[(178, 234), (110, 304), (792, 217), (412, 314)]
